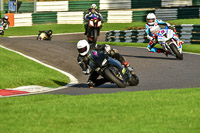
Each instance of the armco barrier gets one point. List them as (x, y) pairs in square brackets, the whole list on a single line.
[(196, 2), (146, 3), (26, 7), (81, 5), (70, 17), (126, 36), (166, 14), (114, 4), (176, 3), (119, 16), (43, 18), (141, 15), (52, 6), (185, 13), (189, 33), (24, 19)]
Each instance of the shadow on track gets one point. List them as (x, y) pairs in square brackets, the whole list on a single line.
[(150, 57), (109, 85)]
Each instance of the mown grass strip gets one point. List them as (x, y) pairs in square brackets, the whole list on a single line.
[(16, 70), (70, 28), (160, 111), (194, 48)]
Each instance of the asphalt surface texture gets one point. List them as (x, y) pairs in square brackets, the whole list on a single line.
[(155, 71)]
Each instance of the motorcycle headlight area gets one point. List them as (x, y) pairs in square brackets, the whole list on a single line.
[(91, 23), (99, 24), (104, 62)]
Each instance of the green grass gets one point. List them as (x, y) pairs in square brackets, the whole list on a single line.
[(16, 70), (70, 28), (194, 48), (161, 111)]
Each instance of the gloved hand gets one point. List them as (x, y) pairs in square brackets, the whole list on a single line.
[(87, 71), (154, 40)]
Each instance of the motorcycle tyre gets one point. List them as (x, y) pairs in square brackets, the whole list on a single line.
[(134, 80), (114, 79), (176, 52), (95, 36)]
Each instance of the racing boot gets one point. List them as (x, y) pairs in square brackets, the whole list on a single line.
[(91, 84)]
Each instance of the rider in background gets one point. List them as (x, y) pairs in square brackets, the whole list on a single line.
[(92, 10), (5, 22), (48, 33), (150, 26), (83, 48)]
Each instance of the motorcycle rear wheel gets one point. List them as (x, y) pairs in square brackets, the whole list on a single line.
[(109, 74), (176, 52)]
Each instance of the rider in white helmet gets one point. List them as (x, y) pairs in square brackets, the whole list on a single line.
[(151, 25), (84, 48), (93, 9), (5, 21)]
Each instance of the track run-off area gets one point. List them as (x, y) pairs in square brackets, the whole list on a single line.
[(155, 71)]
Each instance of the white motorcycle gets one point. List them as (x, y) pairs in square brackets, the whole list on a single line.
[(167, 39)]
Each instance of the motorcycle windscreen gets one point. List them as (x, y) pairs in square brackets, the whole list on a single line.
[(97, 59)]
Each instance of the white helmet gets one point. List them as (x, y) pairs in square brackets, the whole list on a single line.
[(151, 16), (6, 17), (94, 6), (83, 47)]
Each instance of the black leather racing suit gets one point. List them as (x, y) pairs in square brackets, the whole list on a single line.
[(84, 61)]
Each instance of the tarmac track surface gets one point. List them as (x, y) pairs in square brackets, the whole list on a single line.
[(155, 71)]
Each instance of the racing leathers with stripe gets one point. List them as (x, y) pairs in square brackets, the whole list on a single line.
[(152, 37)]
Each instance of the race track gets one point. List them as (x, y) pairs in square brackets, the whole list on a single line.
[(155, 71)]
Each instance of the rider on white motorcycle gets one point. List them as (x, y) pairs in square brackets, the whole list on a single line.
[(152, 26), (92, 10)]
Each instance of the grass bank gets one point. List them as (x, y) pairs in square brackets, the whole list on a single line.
[(194, 48), (16, 70), (161, 111), (70, 28)]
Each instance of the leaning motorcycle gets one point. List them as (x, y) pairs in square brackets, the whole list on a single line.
[(43, 36), (94, 28), (111, 69), (166, 39)]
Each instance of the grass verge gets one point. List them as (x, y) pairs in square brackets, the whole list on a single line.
[(194, 48), (16, 70), (70, 28), (160, 111)]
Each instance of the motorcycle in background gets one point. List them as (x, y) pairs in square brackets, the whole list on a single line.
[(43, 35), (166, 38), (94, 27)]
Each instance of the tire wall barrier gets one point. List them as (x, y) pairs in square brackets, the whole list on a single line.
[(189, 33), (113, 11)]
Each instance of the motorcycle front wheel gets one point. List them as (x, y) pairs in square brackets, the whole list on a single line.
[(109, 74), (176, 52), (134, 81)]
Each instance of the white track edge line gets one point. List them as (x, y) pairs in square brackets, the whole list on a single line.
[(73, 80)]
